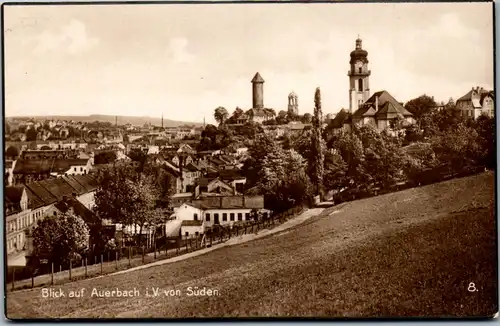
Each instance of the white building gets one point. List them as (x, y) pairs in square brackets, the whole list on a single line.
[(210, 211)]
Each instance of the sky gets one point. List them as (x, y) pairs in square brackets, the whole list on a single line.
[(184, 60)]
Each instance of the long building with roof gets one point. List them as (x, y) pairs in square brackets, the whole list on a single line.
[(29, 203)]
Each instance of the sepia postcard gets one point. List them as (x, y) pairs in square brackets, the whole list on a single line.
[(249, 160)]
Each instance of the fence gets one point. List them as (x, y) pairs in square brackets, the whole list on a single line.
[(127, 257)]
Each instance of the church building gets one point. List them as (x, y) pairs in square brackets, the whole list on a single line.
[(379, 110)]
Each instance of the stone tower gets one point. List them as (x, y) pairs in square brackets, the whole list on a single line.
[(359, 77), (257, 92), (293, 104)]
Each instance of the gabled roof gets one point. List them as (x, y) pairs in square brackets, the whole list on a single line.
[(33, 201), (78, 208), (47, 165), (257, 78), (43, 194), (192, 168), (383, 98), (79, 188), (388, 111), (340, 119), (14, 193), (57, 187), (468, 96)]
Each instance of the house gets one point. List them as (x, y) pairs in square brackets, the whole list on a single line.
[(232, 177), (381, 110), (26, 171), (208, 186), (27, 204), (259, 115), (225, 210), (18, 217), (296, 128), (342, 121), (476, 102)]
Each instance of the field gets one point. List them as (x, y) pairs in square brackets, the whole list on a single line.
[(410, 253)]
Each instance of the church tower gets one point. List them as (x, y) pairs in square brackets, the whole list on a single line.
[(359, 77), (293, 104)]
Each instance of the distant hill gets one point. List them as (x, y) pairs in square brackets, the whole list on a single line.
[(138, 121)]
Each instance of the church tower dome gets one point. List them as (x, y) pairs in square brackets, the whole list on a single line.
[(359, 53)]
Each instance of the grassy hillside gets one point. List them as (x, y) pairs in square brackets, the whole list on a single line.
[(139, 121), (410, 253)]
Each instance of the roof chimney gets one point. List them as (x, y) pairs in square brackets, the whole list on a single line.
[(376, 103)]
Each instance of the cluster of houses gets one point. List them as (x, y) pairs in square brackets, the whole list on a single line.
[(46, 182), (47, 178)]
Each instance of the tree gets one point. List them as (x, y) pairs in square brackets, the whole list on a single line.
[(12, 152), (420, 106), (237, 113), (335, 171), (61, 238), (282, 118), (306, 118), (284, 180), (383, 157), (31, 134), (221, 115), (105, 157), (317, 144), (252, 166), (459, 148), (250, 130)]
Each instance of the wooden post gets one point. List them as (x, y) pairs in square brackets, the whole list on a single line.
[(86, 267), (101, 263), (32, 280), (116, 259), (52, 274), (143, 254), (129, 257), (70, 265), (60, 268), (154, 243)]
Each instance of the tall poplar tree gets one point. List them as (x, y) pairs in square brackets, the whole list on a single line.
[(317, 142)]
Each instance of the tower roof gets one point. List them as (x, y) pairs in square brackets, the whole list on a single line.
[(257, 78), (359, 53), (292, 94)]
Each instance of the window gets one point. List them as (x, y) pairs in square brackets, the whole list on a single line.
[(81, 169), (247, 216), (224, 216), (196, 233), (360, 70), (360, 84), (74, 169), (232, 216), (55, 213), (195, 217), (187, 233), (240, 216)]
